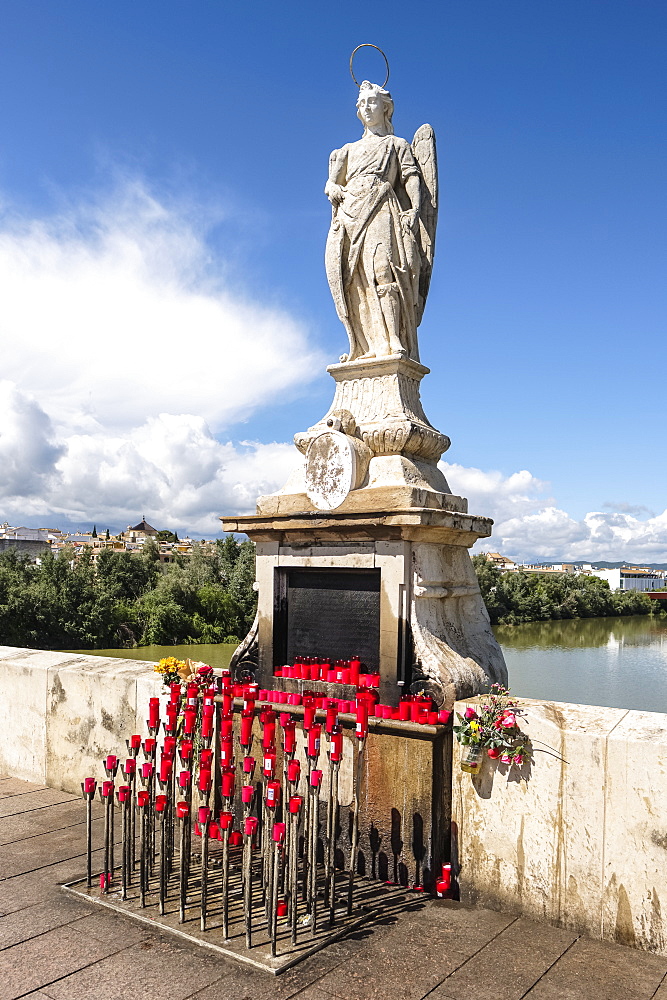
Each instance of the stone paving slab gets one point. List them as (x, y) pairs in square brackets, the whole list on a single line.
[(15, 786), (509, 965), (39, 918), (12, 805), (56, 947), (599, 970), (46, 849), (60, 816)]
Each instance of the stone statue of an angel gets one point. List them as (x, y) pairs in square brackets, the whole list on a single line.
[(379, 254)]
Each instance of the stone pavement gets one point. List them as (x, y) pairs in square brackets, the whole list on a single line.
[(54, 947)]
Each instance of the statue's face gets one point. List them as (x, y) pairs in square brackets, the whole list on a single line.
[(371, 108)]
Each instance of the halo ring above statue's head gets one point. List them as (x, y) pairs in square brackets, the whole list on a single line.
[(369, 45)]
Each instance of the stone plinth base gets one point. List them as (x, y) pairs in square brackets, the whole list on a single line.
[(434, 632)]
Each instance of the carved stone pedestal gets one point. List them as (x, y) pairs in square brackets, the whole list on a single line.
[(396, 586)]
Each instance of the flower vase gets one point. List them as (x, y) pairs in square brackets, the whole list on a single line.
[(471, 761)]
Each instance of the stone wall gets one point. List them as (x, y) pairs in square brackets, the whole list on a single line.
[(581, 844), (61, 712)]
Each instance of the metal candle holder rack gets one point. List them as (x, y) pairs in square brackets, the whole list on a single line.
[(265, 874)]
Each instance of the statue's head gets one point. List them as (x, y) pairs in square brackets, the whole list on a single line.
[(375, 106)]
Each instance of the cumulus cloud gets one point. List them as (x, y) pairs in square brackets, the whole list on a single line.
[(129, 357), (529, 526), (114, 312)]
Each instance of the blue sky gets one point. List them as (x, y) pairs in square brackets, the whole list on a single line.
[(167, 319)]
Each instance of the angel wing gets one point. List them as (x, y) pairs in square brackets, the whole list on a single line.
[(423, 148)]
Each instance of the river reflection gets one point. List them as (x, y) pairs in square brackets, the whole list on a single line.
[(617, 662)]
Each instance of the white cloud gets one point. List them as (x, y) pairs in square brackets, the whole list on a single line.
[(529, 526), (114, 312), (495, 495), (126, 357)]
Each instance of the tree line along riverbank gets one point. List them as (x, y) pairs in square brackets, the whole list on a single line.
[(516, 598), (124, 600)]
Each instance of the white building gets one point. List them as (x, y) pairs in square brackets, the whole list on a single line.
[(632, 578)]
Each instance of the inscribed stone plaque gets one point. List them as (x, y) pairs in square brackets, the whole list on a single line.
[(333, 613)]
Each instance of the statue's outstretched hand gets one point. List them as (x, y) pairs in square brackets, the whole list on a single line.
[(334, 193)]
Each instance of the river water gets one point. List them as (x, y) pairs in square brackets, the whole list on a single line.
[(617, 662)]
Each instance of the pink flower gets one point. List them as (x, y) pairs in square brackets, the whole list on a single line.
[(517, 759), (493, 753), (509, 721), (470, 713), (505, 759)]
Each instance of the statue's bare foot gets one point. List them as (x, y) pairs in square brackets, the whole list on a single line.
[(366, 357)]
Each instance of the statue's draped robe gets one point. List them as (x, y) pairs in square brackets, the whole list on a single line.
[(372, 173)]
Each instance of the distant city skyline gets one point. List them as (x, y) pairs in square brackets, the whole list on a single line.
[(165, 316)]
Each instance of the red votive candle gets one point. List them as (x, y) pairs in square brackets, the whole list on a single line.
[(182, 810), (142, 799), (207, 721), (250, 826), (293, 772), (89, 786), (268, 720), (228, 784), (235, 838), (247, 792), (246, 729), (404, 710), (355, 667), (361, 729), (332, 716), (308, 713), (149, 746), (107, 789), (146, 770), (278, 832), (160, 803), (272, 794), (169, 745), (203, 815), (289, 737), (225, 820), (189, 719), (165, 769), (184, 779), (214, 830), (294, 699), (444, 716), (336, 744), (295, 804), (444, 883), (135, 742), (154, 713), (432, 718), (226, 752), (314, 734), (175, 693), (277, 671), (315, 778), (111, 763), (249, 764), (269, 762)]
